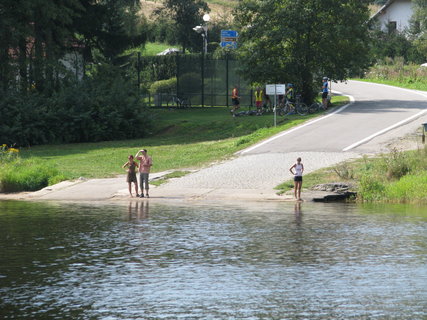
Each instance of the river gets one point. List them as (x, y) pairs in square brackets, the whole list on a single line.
[(142, 260)]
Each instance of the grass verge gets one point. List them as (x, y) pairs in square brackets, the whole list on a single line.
[(28, 175), (166, 177), (396, 177), (183, 139)]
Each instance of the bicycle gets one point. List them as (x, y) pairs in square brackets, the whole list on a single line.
[(297, 107), (318, 106), (178, 102)]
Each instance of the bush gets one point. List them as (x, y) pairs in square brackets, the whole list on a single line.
[(164, 86), (370, 189), (27, 175), (103, 107)]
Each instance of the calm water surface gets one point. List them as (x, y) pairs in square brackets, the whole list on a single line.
[(249, 261)]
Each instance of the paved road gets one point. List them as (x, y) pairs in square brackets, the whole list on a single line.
[(376, 108)]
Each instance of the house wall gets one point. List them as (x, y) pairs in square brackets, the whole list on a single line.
[(399, 11)]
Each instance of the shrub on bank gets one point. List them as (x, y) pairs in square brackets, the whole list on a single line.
[(27, 175), (395, 177), (103, 107)]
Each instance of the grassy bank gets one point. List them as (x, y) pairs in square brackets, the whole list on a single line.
[(395, 73), (396, 177), (183, 139)]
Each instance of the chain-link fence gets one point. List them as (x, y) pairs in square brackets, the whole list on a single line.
[(203, 81)]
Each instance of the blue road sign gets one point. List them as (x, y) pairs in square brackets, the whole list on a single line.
[(229, 44), (229, 34)]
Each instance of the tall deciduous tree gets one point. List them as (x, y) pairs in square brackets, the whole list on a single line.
[(300, 41), (419, 26), (185, 14)]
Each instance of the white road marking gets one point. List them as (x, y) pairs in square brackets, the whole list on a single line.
[(398, 124), (284, 133)]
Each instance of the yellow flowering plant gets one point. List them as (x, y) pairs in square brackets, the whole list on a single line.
[(7, 153)]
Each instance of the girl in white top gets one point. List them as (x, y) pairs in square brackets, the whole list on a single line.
[(299, 169)]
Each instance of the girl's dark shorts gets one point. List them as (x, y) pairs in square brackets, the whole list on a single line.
[(324, 95), (235, 101), (298, 178)]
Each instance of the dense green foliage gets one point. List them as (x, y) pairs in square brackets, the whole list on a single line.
[(182, 16), (103, 107), (36, 34), (300, 41)]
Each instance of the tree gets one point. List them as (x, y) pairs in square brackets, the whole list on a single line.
[(302, 40), (419, 27), (185, 14), (35, 35), (109, 27)]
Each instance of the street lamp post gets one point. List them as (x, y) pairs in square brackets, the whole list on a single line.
[(203, 30)]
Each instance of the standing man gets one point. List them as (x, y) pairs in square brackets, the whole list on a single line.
[(145, 163), (235, 99), (325, 92), (258, 100)]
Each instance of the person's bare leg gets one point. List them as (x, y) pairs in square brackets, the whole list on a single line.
[(295, 189), (299, 189), (136, 188), (130, 188)]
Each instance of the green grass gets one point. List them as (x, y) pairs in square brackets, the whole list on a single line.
[(28, 175), (184, 139), (396, 177), (403, 83), (166, 177), (153, 48), (224, 3), (150, 49)]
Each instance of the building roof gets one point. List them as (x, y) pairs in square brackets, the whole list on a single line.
[(383, 8)]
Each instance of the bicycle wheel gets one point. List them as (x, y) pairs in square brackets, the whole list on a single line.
[(172, 103), (313, 108), (185, 103), (302, 108)]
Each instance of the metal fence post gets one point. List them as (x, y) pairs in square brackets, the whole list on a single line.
[(203, 79), (226, 79), (138, 68), (177, 75)]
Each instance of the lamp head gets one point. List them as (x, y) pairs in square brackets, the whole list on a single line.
[(198, 29), (206, 17)]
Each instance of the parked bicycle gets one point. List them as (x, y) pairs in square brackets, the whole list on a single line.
[(289, 107), (318, 106), (178, 102)]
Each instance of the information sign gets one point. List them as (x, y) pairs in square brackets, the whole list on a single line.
[(229, 39), (275, 89)]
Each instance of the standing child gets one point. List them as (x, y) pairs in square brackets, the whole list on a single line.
[(299, 169), (131, 176)]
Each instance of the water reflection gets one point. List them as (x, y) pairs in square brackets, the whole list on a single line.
[(138, 210), (142, 260)]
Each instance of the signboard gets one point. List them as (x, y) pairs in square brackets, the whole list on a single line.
[(229, 34), (275, 89), (229, 39), (229, 44)]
